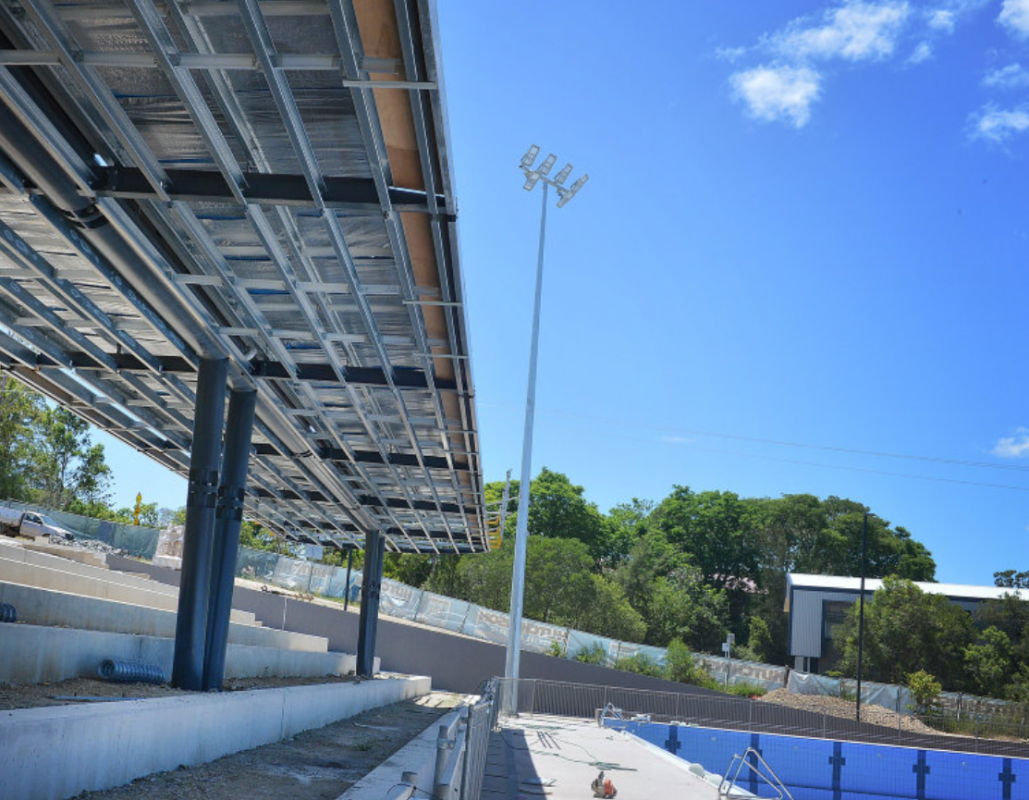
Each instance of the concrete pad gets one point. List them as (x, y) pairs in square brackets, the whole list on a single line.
[(38, 606), (530, 751), (110, 587), (34, 654), (58, 752)]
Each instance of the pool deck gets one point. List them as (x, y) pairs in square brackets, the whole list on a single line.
[(534, 757)]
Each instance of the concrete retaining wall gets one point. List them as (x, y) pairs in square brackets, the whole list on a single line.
[(57, 752), (47, 607), (35, 654)]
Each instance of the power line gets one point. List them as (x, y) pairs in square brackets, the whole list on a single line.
[(785, 443)]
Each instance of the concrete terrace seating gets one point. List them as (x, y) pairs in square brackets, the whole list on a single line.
[(73, 615), (38, 606), (30, 568)]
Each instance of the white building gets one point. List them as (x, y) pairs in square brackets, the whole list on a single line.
[(817, 603)]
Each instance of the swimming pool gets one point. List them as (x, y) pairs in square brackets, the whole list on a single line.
[(823, 769)]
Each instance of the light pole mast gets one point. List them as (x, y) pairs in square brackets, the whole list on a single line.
[(565, 194)]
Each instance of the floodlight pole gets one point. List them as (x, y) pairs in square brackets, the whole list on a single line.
[(514, 634), (861, 607)]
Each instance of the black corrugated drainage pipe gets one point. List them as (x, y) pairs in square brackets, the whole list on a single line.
[(130, 672), (8, 613)]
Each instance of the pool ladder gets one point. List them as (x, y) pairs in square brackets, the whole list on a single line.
[(761, 770)]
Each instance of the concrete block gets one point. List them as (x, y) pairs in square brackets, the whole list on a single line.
[(58, 752), (34, 654), (90, 557), (38, 606)]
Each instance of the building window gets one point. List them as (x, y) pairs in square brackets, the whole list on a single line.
[(834, 612)]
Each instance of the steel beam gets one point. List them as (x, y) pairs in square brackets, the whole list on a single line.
[(228, 518), (371, 585), (198, 543)]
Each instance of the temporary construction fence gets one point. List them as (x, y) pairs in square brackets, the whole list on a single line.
[(399, 600), (136, 540), (898, 698)]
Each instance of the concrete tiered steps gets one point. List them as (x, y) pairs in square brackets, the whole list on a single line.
[(72, 615)]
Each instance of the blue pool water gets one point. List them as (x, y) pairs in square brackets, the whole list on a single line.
[(821, 769)]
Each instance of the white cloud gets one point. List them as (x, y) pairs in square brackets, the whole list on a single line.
[(923, 52), (940, 19), (998, 125), (778, 92), (730, 54), (856, 31), (668, 439), (1014, 15), (1015, 446), (1013, 76)]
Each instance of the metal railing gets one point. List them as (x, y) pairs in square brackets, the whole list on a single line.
[(759, 768), (461, 749), (707, 709)]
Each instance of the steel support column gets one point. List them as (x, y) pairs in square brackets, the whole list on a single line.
[(197, 548), (374, 549), (228, 518)]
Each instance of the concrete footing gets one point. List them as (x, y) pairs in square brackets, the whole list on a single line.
[(36, 654), (57, 752)]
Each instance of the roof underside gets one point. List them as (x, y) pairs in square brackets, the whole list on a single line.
[(279, 172)]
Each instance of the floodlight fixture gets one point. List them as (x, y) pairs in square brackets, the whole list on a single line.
[(571, 191), (548, 164), (562, 176), (531, 179), (530, 157)]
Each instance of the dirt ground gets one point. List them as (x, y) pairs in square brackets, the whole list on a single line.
[(86, 690), (315, 765), (838, 707)]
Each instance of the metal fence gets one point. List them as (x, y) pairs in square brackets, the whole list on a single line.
[(482, 719), (972, 733)]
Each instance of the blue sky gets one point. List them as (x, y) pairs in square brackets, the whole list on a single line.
[(806, 224)]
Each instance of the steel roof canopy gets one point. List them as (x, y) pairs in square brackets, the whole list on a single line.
[(263, 181)]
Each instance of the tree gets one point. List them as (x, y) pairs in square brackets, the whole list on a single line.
[(61, 439), (718, 531), (906, 630), (988, 663), (1011, 579), (93, 478), (760, 639), (684, 607), (650, 558), (625, 524), (925, 691), (680, 665), (557, 509), (19, 409)]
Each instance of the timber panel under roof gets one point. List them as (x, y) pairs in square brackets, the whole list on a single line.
[(275, 177)]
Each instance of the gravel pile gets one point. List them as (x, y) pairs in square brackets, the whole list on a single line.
[(838, 707), (89, 544)]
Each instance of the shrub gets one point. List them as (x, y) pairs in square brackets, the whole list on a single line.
[(641, 664), (925, 691), (680, 666), (591, 654), (747, 690), (557, 649)]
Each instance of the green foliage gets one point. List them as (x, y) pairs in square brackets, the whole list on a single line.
[(925, 691), (760, 641), (907, 630), (591, 654), (557, 649), (409, 568), (988, 663), (746, 690), (641, 663), (680, 665)]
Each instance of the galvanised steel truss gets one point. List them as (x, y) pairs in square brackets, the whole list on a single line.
[(262, 180)]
